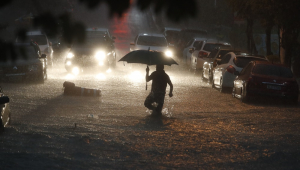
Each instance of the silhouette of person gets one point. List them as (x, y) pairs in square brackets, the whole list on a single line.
[(158, 89)]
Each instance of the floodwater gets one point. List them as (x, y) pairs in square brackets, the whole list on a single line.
[(201, 128)]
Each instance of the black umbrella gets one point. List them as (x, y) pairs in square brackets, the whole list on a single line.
[(148, 57)]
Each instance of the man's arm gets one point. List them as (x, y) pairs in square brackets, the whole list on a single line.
[(147, 74), (171, 88)]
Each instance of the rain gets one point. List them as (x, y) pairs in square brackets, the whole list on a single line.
[(92, 115)]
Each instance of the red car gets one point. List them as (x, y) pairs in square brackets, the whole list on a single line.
[(265, 78)]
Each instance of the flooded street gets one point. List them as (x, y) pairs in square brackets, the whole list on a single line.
[(201, 128)]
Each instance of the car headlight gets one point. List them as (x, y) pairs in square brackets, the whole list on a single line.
[(100, 55), (69, 63), (75, 70), (169, 53), (70, 55), (33, 67)]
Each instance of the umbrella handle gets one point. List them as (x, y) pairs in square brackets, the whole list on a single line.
[(146, 85)]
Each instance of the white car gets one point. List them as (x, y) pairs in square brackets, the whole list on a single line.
[(200, 53), (44, 44), (154, 42), (193, 43), (228, 67)]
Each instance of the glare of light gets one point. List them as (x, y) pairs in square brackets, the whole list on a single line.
[(70, 76), (69, 63), (100, 63), (169, 53), (101, 76), (100, 55), (145, 34), (75, 70), (136, 76), (108, 70), (70, 55)]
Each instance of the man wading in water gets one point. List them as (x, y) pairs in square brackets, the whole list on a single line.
[(158, 90)]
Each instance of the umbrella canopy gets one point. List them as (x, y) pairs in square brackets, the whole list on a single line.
[(148, 57)]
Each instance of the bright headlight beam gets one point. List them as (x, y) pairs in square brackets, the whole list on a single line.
[(169, 53), (69, 63), (75, 70), (70, 55), (100, 55)]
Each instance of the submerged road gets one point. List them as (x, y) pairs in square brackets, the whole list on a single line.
[(201, 127)]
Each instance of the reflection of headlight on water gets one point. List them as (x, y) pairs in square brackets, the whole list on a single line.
[(101, 76), (100, 55), (169, 53), (108, 70), (70, 76), (136, 76), (70, 55), (69, 63), (75, 70)]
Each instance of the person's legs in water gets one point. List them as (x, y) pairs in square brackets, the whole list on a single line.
[(159, 98), (149, 100)]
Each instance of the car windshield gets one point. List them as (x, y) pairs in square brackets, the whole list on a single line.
[(272, 70), (210, 47), (25, 52), (91, 42), (152, 41), (188, 34), (243, 61), (214, 53), (96, 34), (172, 35), (39, 39)]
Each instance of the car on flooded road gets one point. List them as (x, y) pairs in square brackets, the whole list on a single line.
[(26, 63), (211, 62), (225, 72), (262, 78), (200, 53), (5, 116), (154, 42), (96, 53)]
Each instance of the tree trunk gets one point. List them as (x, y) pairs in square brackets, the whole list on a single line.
[(250, 39), (282, 50), (268, 40)]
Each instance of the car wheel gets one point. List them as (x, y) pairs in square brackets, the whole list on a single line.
[(202, 77), (221, 86), (244, 96), (233, 92), (40, 77), (212, 84), (210, 77)]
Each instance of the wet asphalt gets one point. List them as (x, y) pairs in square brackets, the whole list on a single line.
[(201, 128)]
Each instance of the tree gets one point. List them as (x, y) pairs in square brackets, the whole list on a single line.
[(52, 24), (243, 8)]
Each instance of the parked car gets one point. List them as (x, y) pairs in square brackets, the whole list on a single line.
[(171, 34), (261, 78), (211, 61), (185, 36), (5, 116), (25, 63), (97, 52), (193, 43), (224, 72), (200, 53), (43, 42), (155, 42)]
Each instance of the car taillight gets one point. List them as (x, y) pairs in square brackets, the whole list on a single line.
[(202, 54), (230, 69)]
